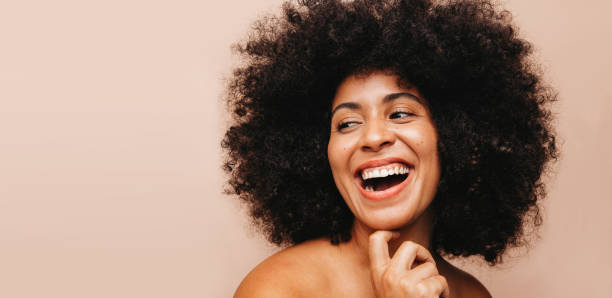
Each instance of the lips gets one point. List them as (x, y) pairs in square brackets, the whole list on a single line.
[(382, 179)]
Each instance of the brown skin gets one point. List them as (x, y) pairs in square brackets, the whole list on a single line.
[(368, 127), (317, 268)]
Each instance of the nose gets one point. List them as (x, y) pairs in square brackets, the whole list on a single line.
[(376, 136)]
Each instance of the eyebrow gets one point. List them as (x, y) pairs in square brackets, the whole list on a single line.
[(393, 96), (388, 98)]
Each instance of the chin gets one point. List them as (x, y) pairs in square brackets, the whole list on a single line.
[(386, 225), (386, 221)]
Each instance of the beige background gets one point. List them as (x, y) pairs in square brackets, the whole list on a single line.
[(110, 178)]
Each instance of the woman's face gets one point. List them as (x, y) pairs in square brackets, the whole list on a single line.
[(383, 150)]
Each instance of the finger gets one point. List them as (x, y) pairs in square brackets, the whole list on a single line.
[(423, 255), (407, 253), (379, 249), (422, 272), (434, 286)]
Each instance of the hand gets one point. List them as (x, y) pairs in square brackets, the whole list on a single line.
[(395, 277)]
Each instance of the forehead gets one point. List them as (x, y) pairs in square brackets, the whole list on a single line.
[(370, 87)]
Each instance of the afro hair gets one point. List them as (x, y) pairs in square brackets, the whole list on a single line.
[(486, 96)]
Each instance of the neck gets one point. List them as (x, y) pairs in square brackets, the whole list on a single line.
[(418, 231)]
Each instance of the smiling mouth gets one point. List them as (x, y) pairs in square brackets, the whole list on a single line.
[(379, 179)]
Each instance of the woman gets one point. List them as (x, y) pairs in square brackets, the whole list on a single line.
[(372, 137)]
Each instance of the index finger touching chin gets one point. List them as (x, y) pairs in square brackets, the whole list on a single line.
[(378, 249)]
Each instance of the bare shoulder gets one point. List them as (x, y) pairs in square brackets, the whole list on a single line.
[(297, 271), (471, 287), (461, 283)]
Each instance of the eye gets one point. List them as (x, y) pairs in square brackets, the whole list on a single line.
[(400, 115), (345, 125)]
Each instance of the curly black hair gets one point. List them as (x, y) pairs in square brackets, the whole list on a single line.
[(488, 101)]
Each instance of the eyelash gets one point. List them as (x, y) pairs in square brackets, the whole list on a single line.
[(343, 125), (408, 114), (347, 124)]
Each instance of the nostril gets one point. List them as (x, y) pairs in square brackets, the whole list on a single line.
[(378, 144), (376, 135)]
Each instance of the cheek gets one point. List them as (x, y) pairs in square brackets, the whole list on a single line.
[(333, 155), (428, 138), (428, 141), (423, 138), (337, 159), (338, 153), (428, 149), (423, 141)]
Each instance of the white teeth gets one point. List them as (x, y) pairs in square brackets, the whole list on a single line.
[(384, 171)]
